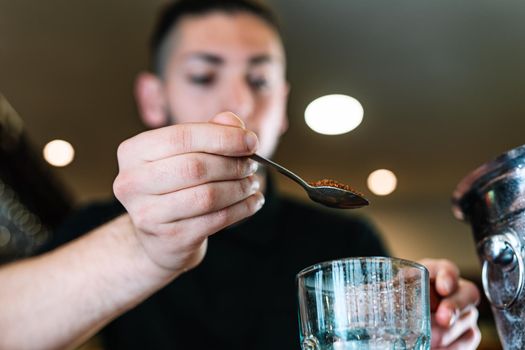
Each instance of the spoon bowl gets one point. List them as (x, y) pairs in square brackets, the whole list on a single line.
[(330, 196), (335, 197)]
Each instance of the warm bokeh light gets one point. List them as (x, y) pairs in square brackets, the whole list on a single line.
[(59, 153), (382, 182), (333, 114)]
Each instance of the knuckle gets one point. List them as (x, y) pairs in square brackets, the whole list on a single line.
[(222, 217), (156, 174), (241, 142), (450, 304), (234, 138), (449, 265), (223, 140), (118, 189), (244, 187), (240, 167), (181, 139), (194, 169), (251, 205), (122, 185), (122, 149), (206, 197)]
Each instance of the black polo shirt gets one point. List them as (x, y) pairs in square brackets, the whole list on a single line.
[(243, 295)]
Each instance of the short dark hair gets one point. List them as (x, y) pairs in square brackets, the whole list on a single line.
[(177, 10)]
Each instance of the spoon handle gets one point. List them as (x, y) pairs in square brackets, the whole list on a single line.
[(280, 169)]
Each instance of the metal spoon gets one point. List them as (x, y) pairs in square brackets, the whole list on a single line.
[(330, 196)]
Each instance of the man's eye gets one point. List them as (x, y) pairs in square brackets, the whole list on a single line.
[(258, 83), (202, 79)]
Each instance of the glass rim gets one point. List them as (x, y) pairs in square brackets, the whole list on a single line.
[(321, 265)]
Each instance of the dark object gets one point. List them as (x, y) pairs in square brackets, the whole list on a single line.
[(492, 200), (32, 202)]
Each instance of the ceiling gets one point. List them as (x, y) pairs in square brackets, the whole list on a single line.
[(442, 84)]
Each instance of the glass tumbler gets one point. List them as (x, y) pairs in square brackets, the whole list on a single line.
[(364, 303)]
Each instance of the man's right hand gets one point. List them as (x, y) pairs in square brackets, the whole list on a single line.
[(182, 183)]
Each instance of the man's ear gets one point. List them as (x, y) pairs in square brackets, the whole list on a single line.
[(151, 101), (284, 122)]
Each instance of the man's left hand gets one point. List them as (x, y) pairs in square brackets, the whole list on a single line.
[(453, 302)]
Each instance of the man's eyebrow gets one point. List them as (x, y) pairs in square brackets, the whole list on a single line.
[(215, 59), (207, 57), (260, 59)]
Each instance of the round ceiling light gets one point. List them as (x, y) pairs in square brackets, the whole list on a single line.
[(59, 153), (382, 182), (333, 114)]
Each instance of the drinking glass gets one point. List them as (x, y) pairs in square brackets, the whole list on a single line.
[(371, 303)]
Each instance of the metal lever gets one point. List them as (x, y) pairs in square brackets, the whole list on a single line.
[(498, 251), (502, 251)]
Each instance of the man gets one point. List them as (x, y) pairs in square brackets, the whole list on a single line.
[(182, 183)]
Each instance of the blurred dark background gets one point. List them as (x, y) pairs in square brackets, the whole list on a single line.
[(441, 83)]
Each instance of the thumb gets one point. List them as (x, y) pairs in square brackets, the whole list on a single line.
[(228, 118)]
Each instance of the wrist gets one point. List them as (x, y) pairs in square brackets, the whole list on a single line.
[(126, 236)]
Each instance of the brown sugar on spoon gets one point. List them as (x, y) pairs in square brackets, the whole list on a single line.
[(333, 183)]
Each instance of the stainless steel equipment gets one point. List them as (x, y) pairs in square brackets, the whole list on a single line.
[(492, 200)]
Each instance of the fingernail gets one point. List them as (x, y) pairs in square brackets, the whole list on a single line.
[(239, 120), (446, 284), (453, 317), (450, 314), (260, 203), (255, 185), (228, 118), (251, 140), (252, 167)]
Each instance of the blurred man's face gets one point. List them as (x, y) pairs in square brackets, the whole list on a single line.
[(227, 62)]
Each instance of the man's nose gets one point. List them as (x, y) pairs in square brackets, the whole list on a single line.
[(238, 98)]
